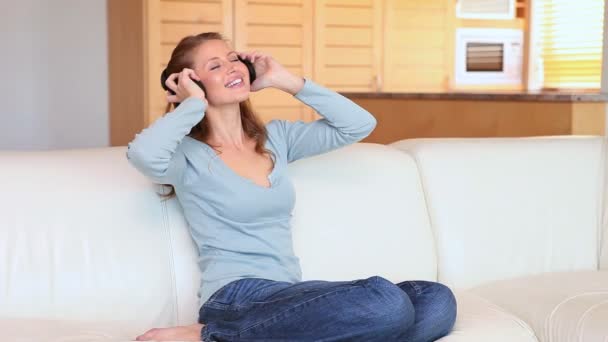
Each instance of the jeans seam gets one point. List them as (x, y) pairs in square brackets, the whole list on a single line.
[(206, 335), (416, 288), (298, 305)]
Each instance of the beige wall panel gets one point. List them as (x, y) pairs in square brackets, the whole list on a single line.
[(347, 56), (417, 39), (337, 77), (421, 20), (352, 36), (406, 57), (349, 2), (416, 4), (416, 80)]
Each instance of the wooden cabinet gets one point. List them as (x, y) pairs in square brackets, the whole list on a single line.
[(282, 29), (348, 44), (143, 33), (168, 22), (141, 37)]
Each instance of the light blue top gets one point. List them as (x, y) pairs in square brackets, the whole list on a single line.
[(243, 229)]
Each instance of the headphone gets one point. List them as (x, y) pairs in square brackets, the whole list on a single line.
[(164, 75)]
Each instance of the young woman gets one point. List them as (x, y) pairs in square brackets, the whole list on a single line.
[(228, 171)]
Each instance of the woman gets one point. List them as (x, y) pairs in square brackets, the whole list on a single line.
[(228, 171)]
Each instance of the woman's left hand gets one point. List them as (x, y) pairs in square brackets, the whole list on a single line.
[(270, 73)]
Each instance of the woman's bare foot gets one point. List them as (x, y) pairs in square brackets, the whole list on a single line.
[(181, 333)]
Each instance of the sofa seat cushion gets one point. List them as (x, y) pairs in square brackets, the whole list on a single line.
[(479, 320), (49, 330), (564, 306)]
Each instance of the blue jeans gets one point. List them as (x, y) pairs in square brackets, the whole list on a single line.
[(372, 309)]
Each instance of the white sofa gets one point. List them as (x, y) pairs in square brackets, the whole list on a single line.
[(88, 252)]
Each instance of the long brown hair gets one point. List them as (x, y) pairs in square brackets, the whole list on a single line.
[(182, 57)]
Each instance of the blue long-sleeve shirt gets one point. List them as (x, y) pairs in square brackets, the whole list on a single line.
[(243, 229)]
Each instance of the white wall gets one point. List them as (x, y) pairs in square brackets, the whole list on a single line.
[(54, 74)]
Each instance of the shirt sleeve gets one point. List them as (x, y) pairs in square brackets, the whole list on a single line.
[(153, 151), (343, 122)]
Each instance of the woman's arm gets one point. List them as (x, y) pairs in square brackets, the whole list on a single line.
[(343, 122), (152, 152)]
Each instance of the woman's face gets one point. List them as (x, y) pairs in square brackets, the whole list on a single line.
[(225, 78)]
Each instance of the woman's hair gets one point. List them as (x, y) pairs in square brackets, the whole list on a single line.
[(183, 57)]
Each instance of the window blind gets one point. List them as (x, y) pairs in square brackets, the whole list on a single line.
[(570, 34)]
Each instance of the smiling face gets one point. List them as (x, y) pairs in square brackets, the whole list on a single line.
[(225, 77)]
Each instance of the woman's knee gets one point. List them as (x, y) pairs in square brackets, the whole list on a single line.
[(450, 306), (394, 309), (446, 307)]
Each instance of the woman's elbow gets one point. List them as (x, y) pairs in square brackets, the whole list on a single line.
[(367, 128), (372, 124)]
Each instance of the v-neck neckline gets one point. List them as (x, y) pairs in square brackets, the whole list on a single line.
[(228, 169)]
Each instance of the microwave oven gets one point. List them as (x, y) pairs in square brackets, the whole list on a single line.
[(488, 56)]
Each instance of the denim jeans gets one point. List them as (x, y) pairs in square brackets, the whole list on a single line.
[(372, 309)]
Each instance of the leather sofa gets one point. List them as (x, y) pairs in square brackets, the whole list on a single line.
[(515, 226)]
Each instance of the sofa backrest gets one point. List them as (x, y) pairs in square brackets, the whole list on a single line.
[(86, 237), (503, 207), (359, 212), (83, 237)]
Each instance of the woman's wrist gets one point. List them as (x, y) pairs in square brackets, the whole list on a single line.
[(291, 84)]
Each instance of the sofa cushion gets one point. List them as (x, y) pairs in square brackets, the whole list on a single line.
[(479, 320), (504, 207), (83, 237), (564, 306), (359, 212), (50, 330)]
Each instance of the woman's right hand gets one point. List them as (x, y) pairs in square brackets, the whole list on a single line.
[(184, 87)]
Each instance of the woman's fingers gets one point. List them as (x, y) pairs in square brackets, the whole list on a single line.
[(172, 98), (252, 55), (171, 82)]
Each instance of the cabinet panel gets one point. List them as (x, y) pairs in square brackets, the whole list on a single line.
[(341, 77), (172, 33), (349, 16), (348, 56), (283, 30), (193, 12), (281, 36), (261, 13), (348, 44), (350, 2), (353, 36), (168, 22)]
